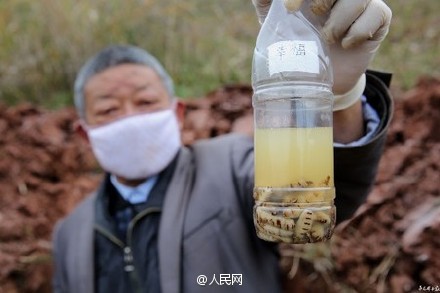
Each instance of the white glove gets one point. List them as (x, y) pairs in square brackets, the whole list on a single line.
[(354, 30)]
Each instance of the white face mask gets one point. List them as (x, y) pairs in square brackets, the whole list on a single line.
[(137, 147)]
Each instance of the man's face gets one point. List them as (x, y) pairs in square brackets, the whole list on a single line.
[(121, 91)]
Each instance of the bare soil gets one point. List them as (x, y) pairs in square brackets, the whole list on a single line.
[(391, 245)]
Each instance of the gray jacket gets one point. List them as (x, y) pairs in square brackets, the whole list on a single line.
[(203, 229)]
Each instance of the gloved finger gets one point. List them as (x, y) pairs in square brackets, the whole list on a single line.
[(321, 7), (262, 3), (293, 5), (343, 14), (262, 8), (372, 25)]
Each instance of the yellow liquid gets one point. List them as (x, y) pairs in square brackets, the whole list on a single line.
[(295, 157)]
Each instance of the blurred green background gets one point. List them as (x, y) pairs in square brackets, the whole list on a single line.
[(203, 44)]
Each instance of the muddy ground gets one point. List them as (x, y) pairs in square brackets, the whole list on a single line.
[(391, 245)]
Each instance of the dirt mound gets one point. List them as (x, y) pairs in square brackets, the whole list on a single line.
[(392, 243), (45, 170)]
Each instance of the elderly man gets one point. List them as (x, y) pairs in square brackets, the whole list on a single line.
[(167, 218)]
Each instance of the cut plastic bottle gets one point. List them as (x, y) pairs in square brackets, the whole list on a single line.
[(292, 81)]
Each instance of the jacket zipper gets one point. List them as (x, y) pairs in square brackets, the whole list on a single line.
[(126, 248)]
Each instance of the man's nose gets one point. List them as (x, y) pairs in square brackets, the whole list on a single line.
[(129, 109)]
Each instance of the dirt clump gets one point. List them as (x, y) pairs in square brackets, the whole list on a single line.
[(391, 244)]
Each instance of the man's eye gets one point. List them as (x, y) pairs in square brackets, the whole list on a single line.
[(145, 103), (107, 111)]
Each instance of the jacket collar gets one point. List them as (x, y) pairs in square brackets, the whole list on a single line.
[(170, 231), (171, 223)]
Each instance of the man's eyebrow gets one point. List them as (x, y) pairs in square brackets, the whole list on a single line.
[(104, 96), (141, 87)]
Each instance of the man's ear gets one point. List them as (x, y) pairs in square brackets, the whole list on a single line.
[(180, 112), (79, 128)]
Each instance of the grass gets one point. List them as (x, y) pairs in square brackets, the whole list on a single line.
[(203, 44), (412, 48)]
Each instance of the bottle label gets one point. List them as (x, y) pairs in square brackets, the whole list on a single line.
[(299, 56)]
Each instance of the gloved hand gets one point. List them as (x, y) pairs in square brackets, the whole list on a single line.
[(353, 29)]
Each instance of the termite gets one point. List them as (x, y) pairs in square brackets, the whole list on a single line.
[(327, 181), (317, 231), (322, 217), (266, 217), (304, 223)]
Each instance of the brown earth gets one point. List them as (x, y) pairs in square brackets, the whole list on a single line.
[(391, 245)]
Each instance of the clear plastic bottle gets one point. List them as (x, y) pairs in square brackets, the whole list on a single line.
[(292, 81)]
